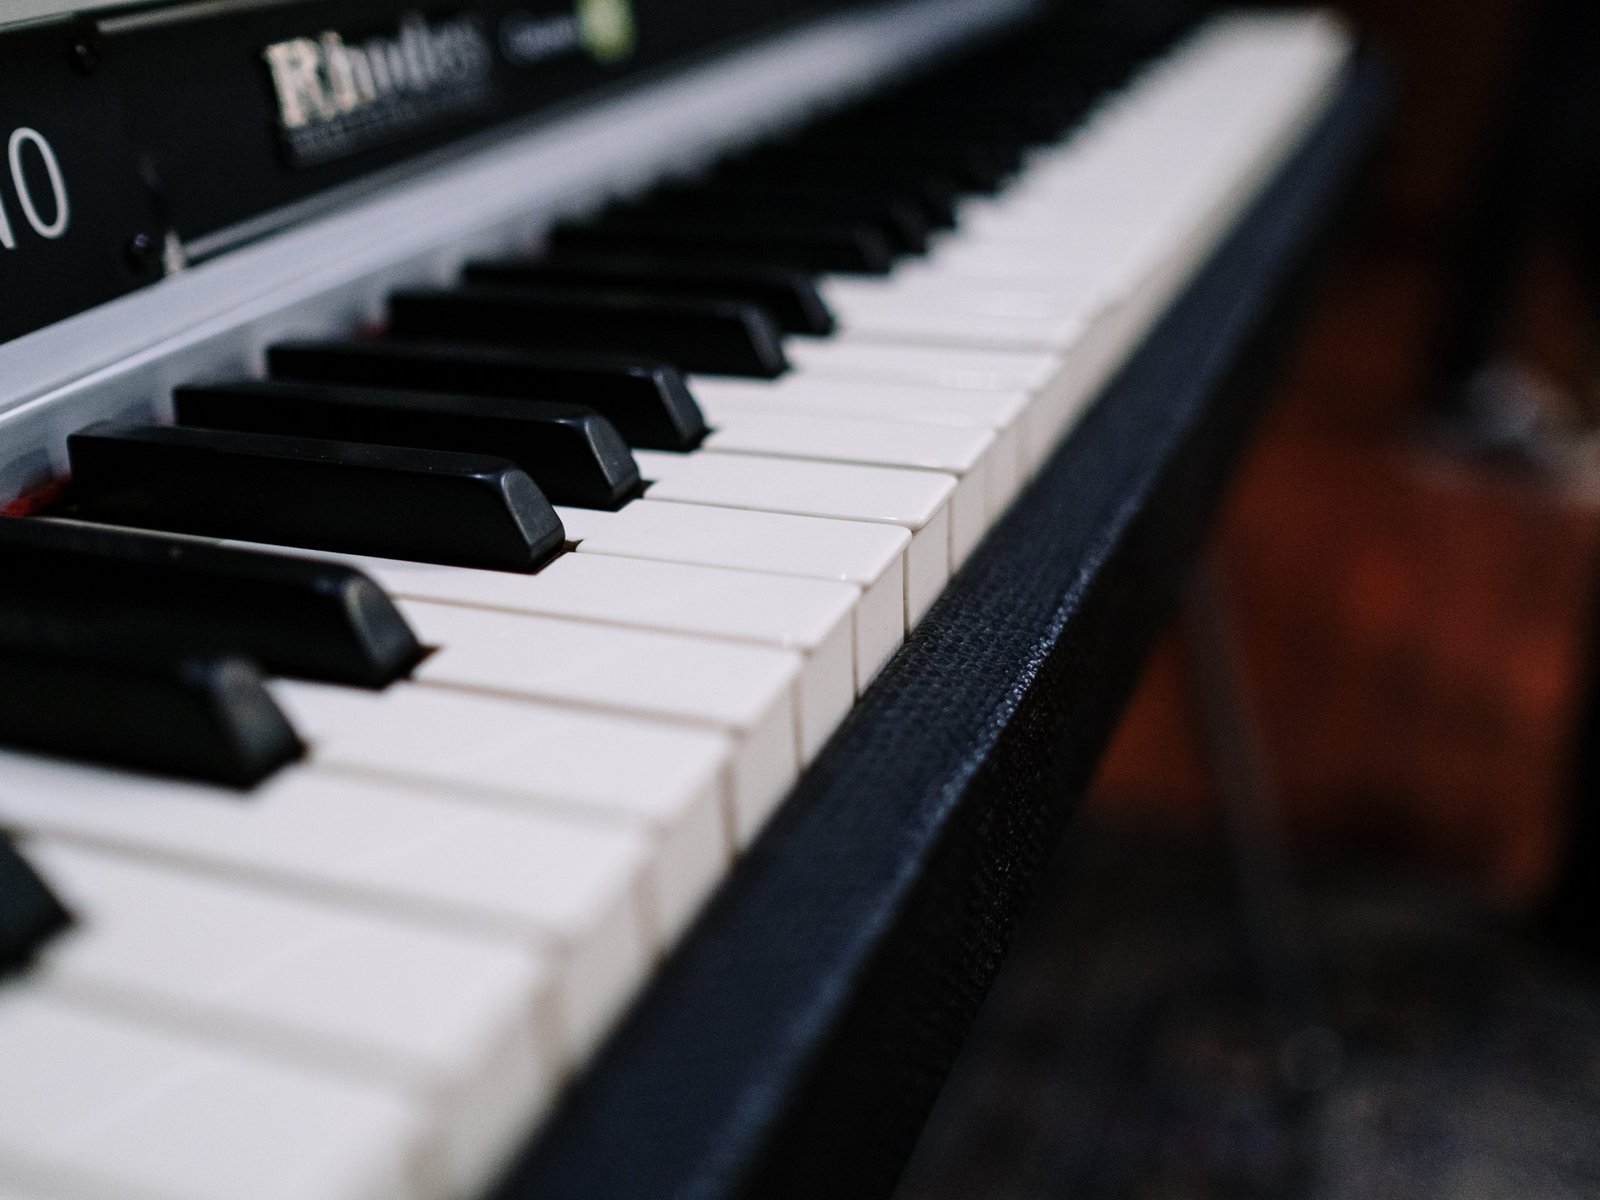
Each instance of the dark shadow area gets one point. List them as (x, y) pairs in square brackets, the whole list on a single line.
[(1126, 1051)]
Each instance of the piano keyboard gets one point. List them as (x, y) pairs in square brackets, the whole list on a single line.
[(368, 889)]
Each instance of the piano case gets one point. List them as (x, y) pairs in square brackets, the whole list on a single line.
[(795, 1041)]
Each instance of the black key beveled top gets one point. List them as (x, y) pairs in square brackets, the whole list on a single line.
[(790, 296), (900, 221), (720, 337), (464, 510), (573, 453), (973, 164), (82, 693), (936, 197), (30, 913), (855, 249), (984, 128), (648, 402), (295, 616)]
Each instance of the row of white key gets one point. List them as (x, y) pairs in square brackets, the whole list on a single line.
[(459, 1024), (928, 327), (549, 828), (1019, 304)]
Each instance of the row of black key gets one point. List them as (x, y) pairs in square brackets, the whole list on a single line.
[(458, 477), (525, 385), (478, 439)]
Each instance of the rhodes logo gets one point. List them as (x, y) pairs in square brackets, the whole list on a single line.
[(336, 98)]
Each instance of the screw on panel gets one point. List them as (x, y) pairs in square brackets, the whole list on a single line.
[(144, 251), (84, 50)]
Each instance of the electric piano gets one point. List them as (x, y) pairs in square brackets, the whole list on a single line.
[(563, 564)]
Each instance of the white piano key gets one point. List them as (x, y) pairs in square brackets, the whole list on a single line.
[(812, 616), (872, 442), (672, 781), (842, 357), (725, 399), (570, 889), (96, 1108), (1029, 261), (1078, 274), (968, 454), (1074, 210), (918, 501), (915, 287), (784, 611), (800, 392), (1021, 260), (896, 320), (746, 690), (464, 1025), (1059, 397), (962, 368), (883, 495), (1144, 194), (870, 556)]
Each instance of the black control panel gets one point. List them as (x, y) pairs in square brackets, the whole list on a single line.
[(125, 138), (78, 224)]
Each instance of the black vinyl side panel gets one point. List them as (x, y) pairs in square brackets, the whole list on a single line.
[(794, 1043)]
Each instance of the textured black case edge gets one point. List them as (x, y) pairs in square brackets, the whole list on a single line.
[(794, 1043)]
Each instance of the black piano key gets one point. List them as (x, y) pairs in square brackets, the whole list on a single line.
[(465, 510), (720, 337), (790, 297), (967, 175), (910, 208), (30, 913), (648, 402), (909, 211), (901, 222), (853, 249), (1036, 115), (84, 695), (573, 453), (1008, 130), (294, 616), (937, 197), (982, 168)]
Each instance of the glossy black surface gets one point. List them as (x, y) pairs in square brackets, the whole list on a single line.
[(647, 400), (969, 166), (573, 453), (466, 510), (900, 221), (87, 694), (815, 245), (199, 113), (67, 251), (30, 914), (934, 198), (789, 297), (718, 336), (294, 616)]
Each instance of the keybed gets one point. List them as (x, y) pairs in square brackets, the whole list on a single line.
[(569, 720)]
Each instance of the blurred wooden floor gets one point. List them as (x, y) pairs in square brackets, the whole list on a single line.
[(1412, 626)]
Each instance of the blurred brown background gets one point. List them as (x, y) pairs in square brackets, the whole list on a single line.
[(1413, 620), (1189, 1014)]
